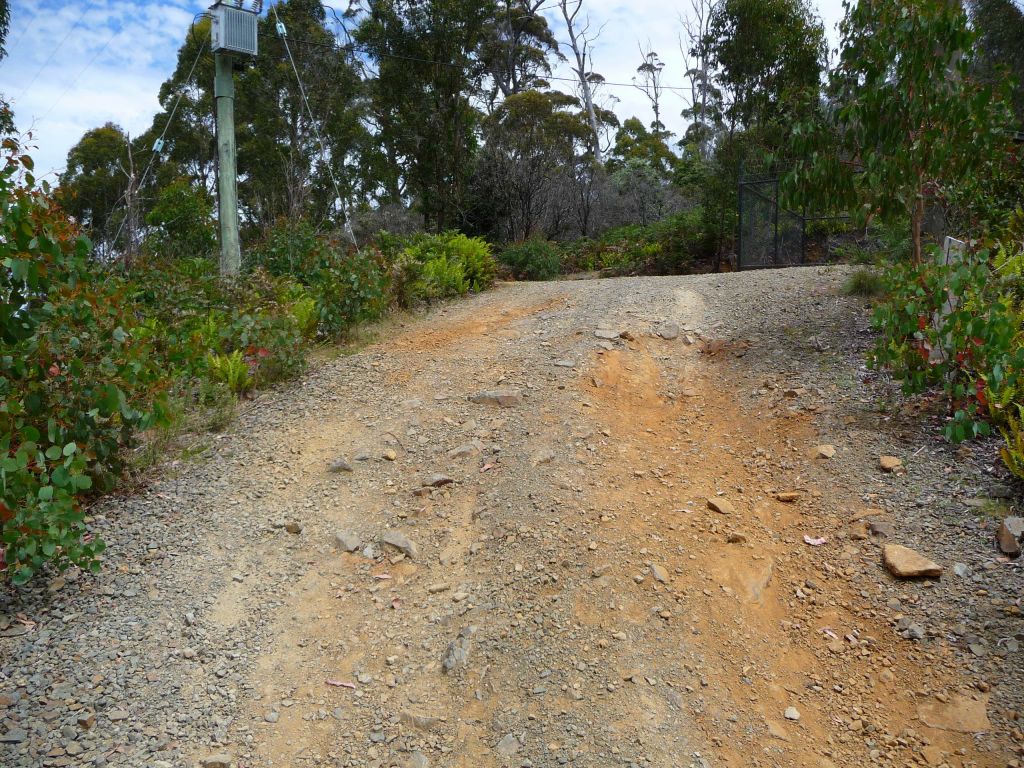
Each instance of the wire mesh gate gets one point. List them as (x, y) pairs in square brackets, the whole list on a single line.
[(769, 235)]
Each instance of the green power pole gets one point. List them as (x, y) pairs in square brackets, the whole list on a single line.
[(227, 185)]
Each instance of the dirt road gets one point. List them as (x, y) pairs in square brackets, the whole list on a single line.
[(606, 502)]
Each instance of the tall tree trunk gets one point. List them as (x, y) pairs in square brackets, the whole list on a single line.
[(579, 43)]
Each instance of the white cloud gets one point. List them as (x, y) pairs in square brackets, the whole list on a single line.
[(72, 67), (105, 60)]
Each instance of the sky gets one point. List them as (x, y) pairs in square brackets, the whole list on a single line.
[(73, 66)]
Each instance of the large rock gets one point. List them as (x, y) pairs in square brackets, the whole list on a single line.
[(400, 541), (348, 542), (890, 463), (721, 506), (1009, 536), (669, 331), (905, 563), (508, 746), (503, 398), (456, 656), (962, 714)]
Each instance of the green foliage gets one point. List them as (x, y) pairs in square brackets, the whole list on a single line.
[(768, 53), (76, 382), (910, 121), (348, 287), (532, 259), (183, 222), (427, 267), (939, 326), (1012, 452), (668, 246), (232, 370), (864, 282)]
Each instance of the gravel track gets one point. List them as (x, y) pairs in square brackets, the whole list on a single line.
[(567, 595)]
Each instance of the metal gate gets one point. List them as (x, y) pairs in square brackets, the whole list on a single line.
[(769, 235)]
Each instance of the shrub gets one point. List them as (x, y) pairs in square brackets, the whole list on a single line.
[(939, 327), (864, 282), (75, 383), (427, 267), (349, 289), (532, 259), (441, 277), (182, 220), (231, 370)]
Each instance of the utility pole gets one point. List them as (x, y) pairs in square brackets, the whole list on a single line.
[(227, 183), (232, 31)]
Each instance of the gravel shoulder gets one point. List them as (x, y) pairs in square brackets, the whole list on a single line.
[(630, 522)]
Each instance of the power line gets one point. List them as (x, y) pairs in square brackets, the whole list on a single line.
[(28, 25), (158, 144), (82, 72), (53, 53), (352, 48), (283, 34)]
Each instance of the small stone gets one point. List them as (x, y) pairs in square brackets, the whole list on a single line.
[(221, 760), (669, 331), (87, 721), (788, 497), (464, 451), (890, 463), (825, 451), (881, 528), (565, 364), (736, 538), (435, 589), (339, 465), (438, 481), (419, 722), (544, 456), (417, 760), (905, 563), (607, 334), (348, 542), (1009, 536), (720, 505), (400, 542), (508, 746), (272, 717), (792, 713), (117, 715), (389, 455), (503, 398), (293, 527), (659, 573), (456, 656), (13, 736)]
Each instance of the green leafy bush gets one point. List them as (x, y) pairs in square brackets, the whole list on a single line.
[(426, 267), (349, 289), (75, 383), (668, 246), (182, 222), (232, 370), (942, 326), (533, 259)]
